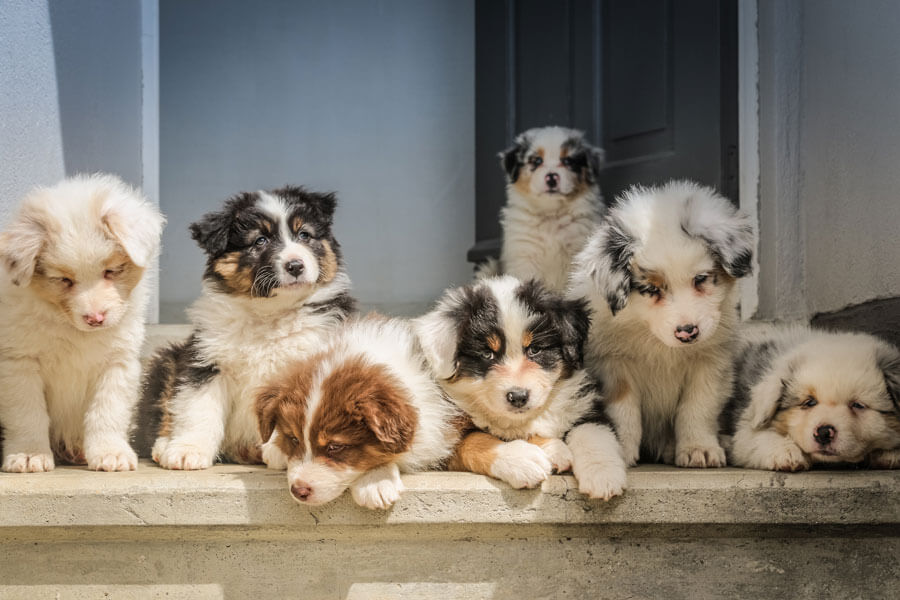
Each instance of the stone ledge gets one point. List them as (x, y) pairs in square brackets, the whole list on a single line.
[(242, 496)]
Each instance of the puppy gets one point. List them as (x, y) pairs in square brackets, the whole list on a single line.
[(274, 290), (660, 274), (510, 355), (72, 301), (804, 396), (356, 415), (553, 203)]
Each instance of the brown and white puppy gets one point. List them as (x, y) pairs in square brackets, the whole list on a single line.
[(804, 396), (274, 291), (553, 202), (660, 273), (72, 302), (510, 355), (356, 415)]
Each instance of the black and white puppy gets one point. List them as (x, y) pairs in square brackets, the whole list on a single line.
[(804, 396), (510, 354), (660, 273), (274, 292), (553, 202)]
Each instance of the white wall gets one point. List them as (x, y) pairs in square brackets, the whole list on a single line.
[(374, 100), (829, 152)]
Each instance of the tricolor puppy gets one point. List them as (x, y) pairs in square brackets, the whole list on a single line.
[(356, 415), (72, 302), (553, 202), (660, 272), (274, 291), (804, 396), (510, 355)]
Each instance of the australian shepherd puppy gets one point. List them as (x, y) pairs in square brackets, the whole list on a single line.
[(804, 396), (553, 203), (660, 272), (72, 301), (510, 355), (274, 290), (356, 415)]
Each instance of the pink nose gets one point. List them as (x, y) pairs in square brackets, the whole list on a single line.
[(301, 490), (94, 319)]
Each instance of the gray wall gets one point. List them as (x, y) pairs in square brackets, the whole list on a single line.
[(374, 100), (70, 92), (829, 154)]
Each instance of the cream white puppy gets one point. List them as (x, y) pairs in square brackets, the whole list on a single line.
[(660, 274), (804, 396), (72, 299)]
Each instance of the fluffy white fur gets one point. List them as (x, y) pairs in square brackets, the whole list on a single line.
[(792, 381), (665, 258), (70, 327), (543, 228)]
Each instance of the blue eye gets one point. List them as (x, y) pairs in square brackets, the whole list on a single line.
[(809, 402), (261, 241), (304, 235), (700, 279)]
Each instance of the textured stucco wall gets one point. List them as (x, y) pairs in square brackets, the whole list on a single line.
[(374, 100), (829, 79)]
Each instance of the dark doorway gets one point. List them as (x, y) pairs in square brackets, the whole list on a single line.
[(652, 82)]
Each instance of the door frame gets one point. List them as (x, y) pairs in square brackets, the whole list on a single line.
[(748, 139)]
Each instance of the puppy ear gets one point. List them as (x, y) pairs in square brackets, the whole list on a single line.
[(574, 322), (212, 231), (323, 205), (596, 161), (22, 242), (134, 223), (438, 335), (769, 396), (727, 232), (513, 158), (606, 262), (267, 401), (888, 359), (390, 416)]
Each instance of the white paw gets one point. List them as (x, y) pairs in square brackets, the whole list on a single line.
[(787, 458), (699, 456), (378, 489), (521, 464), (185, 457), (273, 456), (601, 481), (885, 459), (28, 463), (559, 454), (119, 457), (159, 447)]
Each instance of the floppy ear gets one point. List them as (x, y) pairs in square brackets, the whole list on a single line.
[(22, 242), (438, 334), (769, 396), (390, 416), (212, 231), (513, 158), (322, 204), (135, 224), (888, 360), (596, 160), (267, 401), (727, 232), (606, 262), (573, 322)]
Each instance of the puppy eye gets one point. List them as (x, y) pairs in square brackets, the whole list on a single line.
[(261, 241), (700, 279), (333, 448), (650, 290), (110, 273), (295, 440), (857, 405), (536, 161), (66, 282), (304, 235), (567, 162), (809, 402), (487, 355), (531, 351)]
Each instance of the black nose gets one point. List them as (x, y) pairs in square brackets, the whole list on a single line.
[(552, 179), (517, 397), (825, 434), (295, 267), (687, 333), (301, 491)]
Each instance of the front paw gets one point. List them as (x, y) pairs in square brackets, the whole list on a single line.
[(22, 462), (788, 458), (378, 490), (112, 458), (699, 455), (885, 459), (185, 457), (601, 481), (559, 454), (521, 464), (274, 457)]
